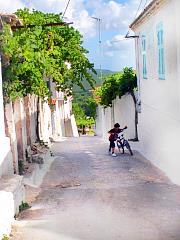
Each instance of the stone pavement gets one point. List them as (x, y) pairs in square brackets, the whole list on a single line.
[(88, 195)]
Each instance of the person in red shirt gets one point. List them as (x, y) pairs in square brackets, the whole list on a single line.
[(113, 137)]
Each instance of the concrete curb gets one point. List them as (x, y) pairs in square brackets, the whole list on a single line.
[(36, 173)]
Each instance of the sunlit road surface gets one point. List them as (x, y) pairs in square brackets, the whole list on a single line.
[(89, 195)]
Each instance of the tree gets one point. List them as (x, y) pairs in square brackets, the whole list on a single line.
[(106, 93), (82, 119), (115, 85), (90, 107), (32, 55), (78, 112), (87, 103), (128, 84)]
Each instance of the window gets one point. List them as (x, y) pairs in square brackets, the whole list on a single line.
[(144, 61), (160, 41)]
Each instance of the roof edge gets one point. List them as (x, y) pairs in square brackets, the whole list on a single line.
[(152, 7)]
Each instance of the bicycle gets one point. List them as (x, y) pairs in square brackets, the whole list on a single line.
[(121, 143)]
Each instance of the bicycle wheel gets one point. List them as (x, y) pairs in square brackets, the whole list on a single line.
[(128, 147), (120, 145)]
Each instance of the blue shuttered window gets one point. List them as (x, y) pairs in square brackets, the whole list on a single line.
[(144, 60), (161, 61)]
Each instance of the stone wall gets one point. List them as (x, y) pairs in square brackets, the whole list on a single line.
[(6, 163), (11, 133), (11, 188), (31, 119)]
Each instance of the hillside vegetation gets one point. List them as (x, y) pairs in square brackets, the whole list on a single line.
[(84, 105)]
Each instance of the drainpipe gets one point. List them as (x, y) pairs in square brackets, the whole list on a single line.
[(138, 70)]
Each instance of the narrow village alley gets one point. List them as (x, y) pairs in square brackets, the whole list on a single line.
[(88, 195)]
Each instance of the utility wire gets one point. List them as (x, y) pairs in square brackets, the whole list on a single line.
[(100, 43), (66, 8), (139, 6), (145, 4), (141, 1)]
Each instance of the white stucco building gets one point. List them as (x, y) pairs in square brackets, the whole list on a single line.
[(63, 121), (158, 68)]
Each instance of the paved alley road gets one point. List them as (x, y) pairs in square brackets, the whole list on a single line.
[(88, 195)]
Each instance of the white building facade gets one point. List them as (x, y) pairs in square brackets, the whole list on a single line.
[(158, 70), (63, 120)]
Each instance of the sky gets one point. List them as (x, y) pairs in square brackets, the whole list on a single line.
[(114, 52)]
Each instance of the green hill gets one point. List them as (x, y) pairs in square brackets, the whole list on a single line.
[(83, 104), (97, 78)]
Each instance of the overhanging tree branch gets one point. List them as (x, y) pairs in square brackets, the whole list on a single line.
[(44, 25)]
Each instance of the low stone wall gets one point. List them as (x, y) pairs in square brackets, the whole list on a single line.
[(7, 212), (36, 172), (11, 197), (6, 164)]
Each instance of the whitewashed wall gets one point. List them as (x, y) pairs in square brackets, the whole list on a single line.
[(104, 122), (6, 163), (10, 122), (61, 117), (63, 122), (121, 112), (159, 120), (33, 116), (98, 124), (125, 114), (45, 126)]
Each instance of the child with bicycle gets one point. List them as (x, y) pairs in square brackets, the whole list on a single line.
[(113, 137)]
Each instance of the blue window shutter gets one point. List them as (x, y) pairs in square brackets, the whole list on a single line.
[(144, 60), (163, 64), (161, 60)]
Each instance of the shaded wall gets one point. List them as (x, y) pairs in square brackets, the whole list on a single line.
[(122, 111), (159, 120)]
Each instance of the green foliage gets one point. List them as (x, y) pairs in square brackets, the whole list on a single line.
[(5, 237), (80, 115), (98, 81), (78, 111), (115, 85), (23, 206), (31, 55), (87, 103), (90, 106), (21, 167), (87, 122), (128, 82), (84, 105), (108, 91), (84, 109)]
